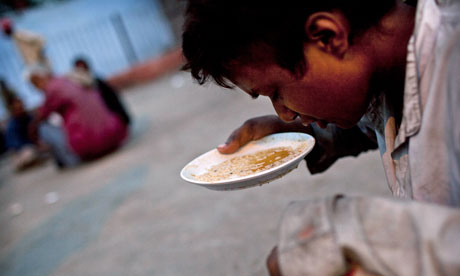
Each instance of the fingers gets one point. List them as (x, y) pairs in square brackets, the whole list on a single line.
[(228, 148), (252, 129), (272, 263), (237, 139)]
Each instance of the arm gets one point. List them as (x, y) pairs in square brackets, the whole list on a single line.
[(53, 103), (256, 128), (331, 143), (383, 236)]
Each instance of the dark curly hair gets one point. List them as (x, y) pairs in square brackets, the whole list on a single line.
[(217, 32)]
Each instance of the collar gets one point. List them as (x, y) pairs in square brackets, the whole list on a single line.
[(412, 111)]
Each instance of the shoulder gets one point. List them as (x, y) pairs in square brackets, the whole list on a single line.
[(56, 83), (59, 85)]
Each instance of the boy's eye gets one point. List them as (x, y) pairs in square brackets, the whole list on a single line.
[(274, 96), (254, 95)]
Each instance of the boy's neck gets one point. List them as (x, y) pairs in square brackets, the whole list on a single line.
[(388, 43)]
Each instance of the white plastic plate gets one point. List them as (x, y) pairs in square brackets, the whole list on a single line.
[(204, 162)]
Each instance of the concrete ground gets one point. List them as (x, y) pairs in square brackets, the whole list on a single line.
[(130, 213)]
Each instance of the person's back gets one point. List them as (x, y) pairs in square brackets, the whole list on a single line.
[(82, 75), (91, 129)]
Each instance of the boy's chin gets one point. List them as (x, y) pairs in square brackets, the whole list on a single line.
[(346, 125)]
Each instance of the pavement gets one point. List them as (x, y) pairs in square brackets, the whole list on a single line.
[(130, 213)]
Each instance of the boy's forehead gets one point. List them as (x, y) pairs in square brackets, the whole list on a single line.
[(257, 69), (252, 77), (256, 58)]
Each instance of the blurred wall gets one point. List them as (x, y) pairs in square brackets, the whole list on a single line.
[(174, 10), (112, 34)]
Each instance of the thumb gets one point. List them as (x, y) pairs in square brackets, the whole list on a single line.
[(229, 147), (237, 139)]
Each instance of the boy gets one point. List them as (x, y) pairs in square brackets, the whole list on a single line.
[(368, 73)]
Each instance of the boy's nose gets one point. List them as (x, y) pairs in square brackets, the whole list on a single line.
[(283, 112)]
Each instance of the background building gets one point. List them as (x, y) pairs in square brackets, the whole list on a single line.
[(113, 34)]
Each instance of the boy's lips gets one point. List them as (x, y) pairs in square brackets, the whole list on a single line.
[(306, 120), (322, 123), (309, 120)]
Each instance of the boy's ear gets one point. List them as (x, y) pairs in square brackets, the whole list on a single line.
[(329, 30)]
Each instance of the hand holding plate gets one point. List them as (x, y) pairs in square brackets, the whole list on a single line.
[(259, 127)]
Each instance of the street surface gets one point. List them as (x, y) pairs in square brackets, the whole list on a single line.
[(130, 213)]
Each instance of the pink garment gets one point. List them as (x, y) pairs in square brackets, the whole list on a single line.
[(92, 130)]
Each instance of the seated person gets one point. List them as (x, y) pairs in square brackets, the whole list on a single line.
[(82, 75), (17, 126), (16, 131), (89, 129)]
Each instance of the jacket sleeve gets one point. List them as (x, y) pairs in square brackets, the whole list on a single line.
[(384, 236), (333, 143)]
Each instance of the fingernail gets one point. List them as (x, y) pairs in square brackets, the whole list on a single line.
[(222, 145)]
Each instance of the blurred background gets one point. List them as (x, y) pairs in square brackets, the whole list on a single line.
[(128, 212), (113, 34)]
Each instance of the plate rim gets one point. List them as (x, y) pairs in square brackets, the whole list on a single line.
[(249, 177)]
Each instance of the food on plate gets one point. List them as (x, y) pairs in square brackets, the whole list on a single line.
[(250, 163)]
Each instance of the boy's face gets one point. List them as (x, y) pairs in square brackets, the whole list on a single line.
[(333, 90), (82, 66)]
